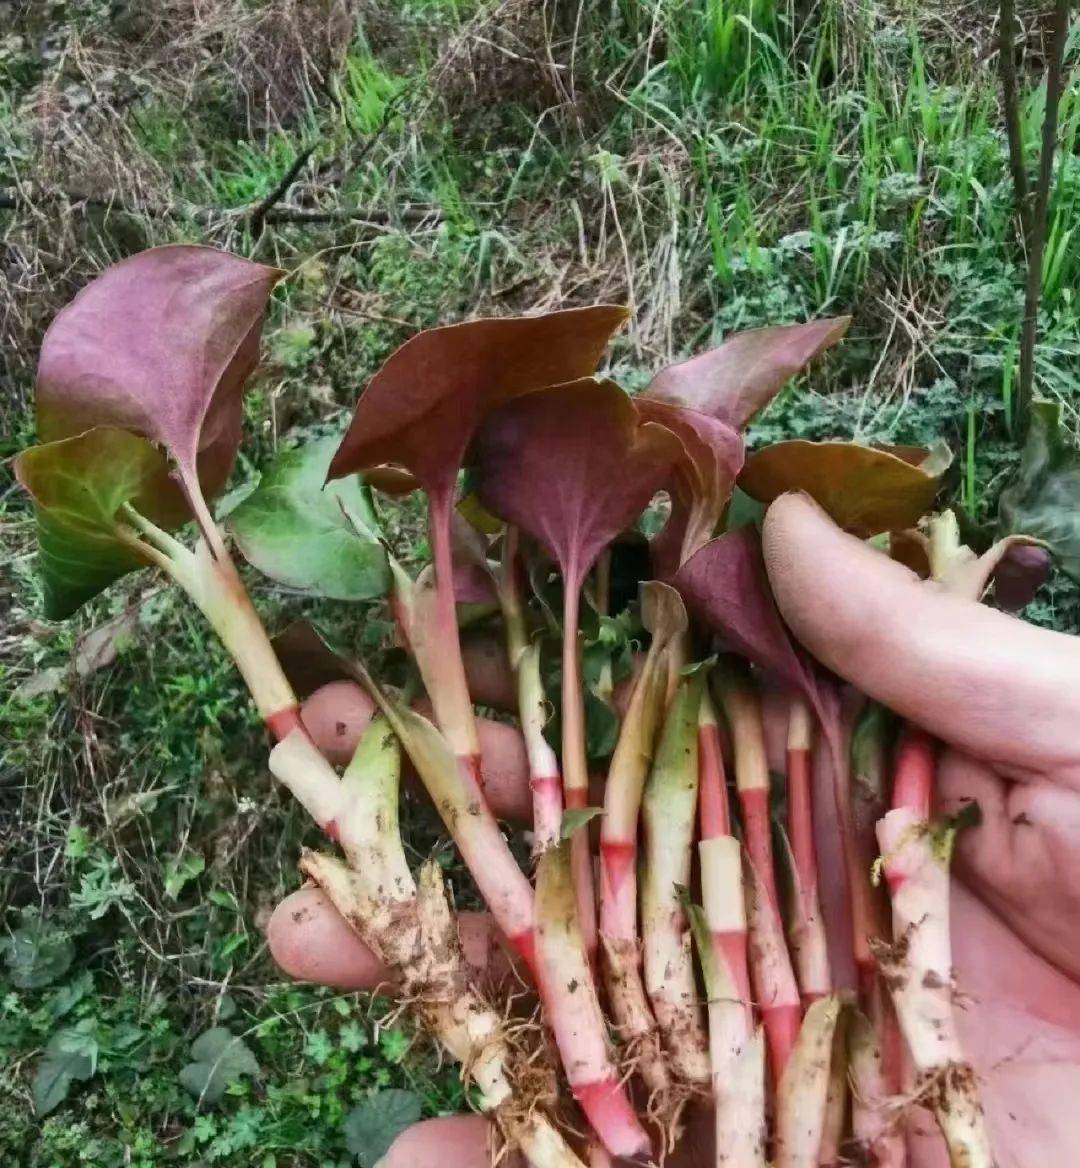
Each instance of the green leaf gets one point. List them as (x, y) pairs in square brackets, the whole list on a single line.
[(180, 872), (37, 955), (372, 1126), (575, 818), (78, 486), (219, 1060), (1044, 499), (70, 1056), (321, 541), (601, 726)]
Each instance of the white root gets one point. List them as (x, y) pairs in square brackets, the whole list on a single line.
[(740, 1108), (802, 1097), (917, 968), (409, 926), (874, 1117)]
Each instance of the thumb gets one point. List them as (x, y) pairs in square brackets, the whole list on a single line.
[(997, 687), (455, 1141)]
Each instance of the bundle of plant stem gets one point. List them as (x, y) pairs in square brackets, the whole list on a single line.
[(672, 948)]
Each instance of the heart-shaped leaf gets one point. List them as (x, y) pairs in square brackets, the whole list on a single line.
[(1044, 499), (372, 1126), (218, 1059), (37, 954), (70, 1056), (160, 344), (725, 587), (703, 481), (736, 380), (321, 542), (865, 490), (571, 466), (79, 486), (422, 407)]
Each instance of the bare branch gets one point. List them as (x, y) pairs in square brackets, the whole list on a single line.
[(375, 218), (1011, 101)]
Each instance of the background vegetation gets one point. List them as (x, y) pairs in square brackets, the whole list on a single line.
[(716, 164)]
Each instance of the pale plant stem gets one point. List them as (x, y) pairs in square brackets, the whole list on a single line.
[(452, 703), (575, 761)]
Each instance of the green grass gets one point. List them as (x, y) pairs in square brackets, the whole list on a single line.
[(718, 164)]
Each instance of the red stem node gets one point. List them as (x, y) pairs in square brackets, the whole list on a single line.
[(913, 776)]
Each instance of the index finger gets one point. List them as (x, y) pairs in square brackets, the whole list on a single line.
[(995, 686)]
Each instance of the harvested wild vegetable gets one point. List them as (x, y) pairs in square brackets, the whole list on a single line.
[(641, 698)]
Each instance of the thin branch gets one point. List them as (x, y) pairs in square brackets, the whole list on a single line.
[(209, 216), (281, 189), (1059, 30), (1011, 99)]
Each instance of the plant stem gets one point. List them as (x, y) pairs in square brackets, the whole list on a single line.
[(573, 1009), (575, 756), (450, 699), (1059, 31), (214, 585), (800, 813), (1011, 102), (721, 864), (772, 975), (736, 1048), (802, 1095), (713, 810), (668, 814), (743, 711), (545, 781), (807, 927), (621, 946), (451, 783), (918, 965)]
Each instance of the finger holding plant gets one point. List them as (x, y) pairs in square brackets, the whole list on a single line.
[(655, 1008)]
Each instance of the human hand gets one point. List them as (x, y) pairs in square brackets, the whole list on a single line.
[(1004, 698)]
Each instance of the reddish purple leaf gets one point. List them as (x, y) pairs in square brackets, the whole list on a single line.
[(474, 581), (422, 407), (738, 379), (160, 344), (726, 589), (702, 483), (573, 466), (1022, 571)]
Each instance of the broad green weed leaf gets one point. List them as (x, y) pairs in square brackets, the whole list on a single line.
[(37, 954), (70, 1056), (219, 1059), (323, 542), (180, 872), (372, 1126)]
